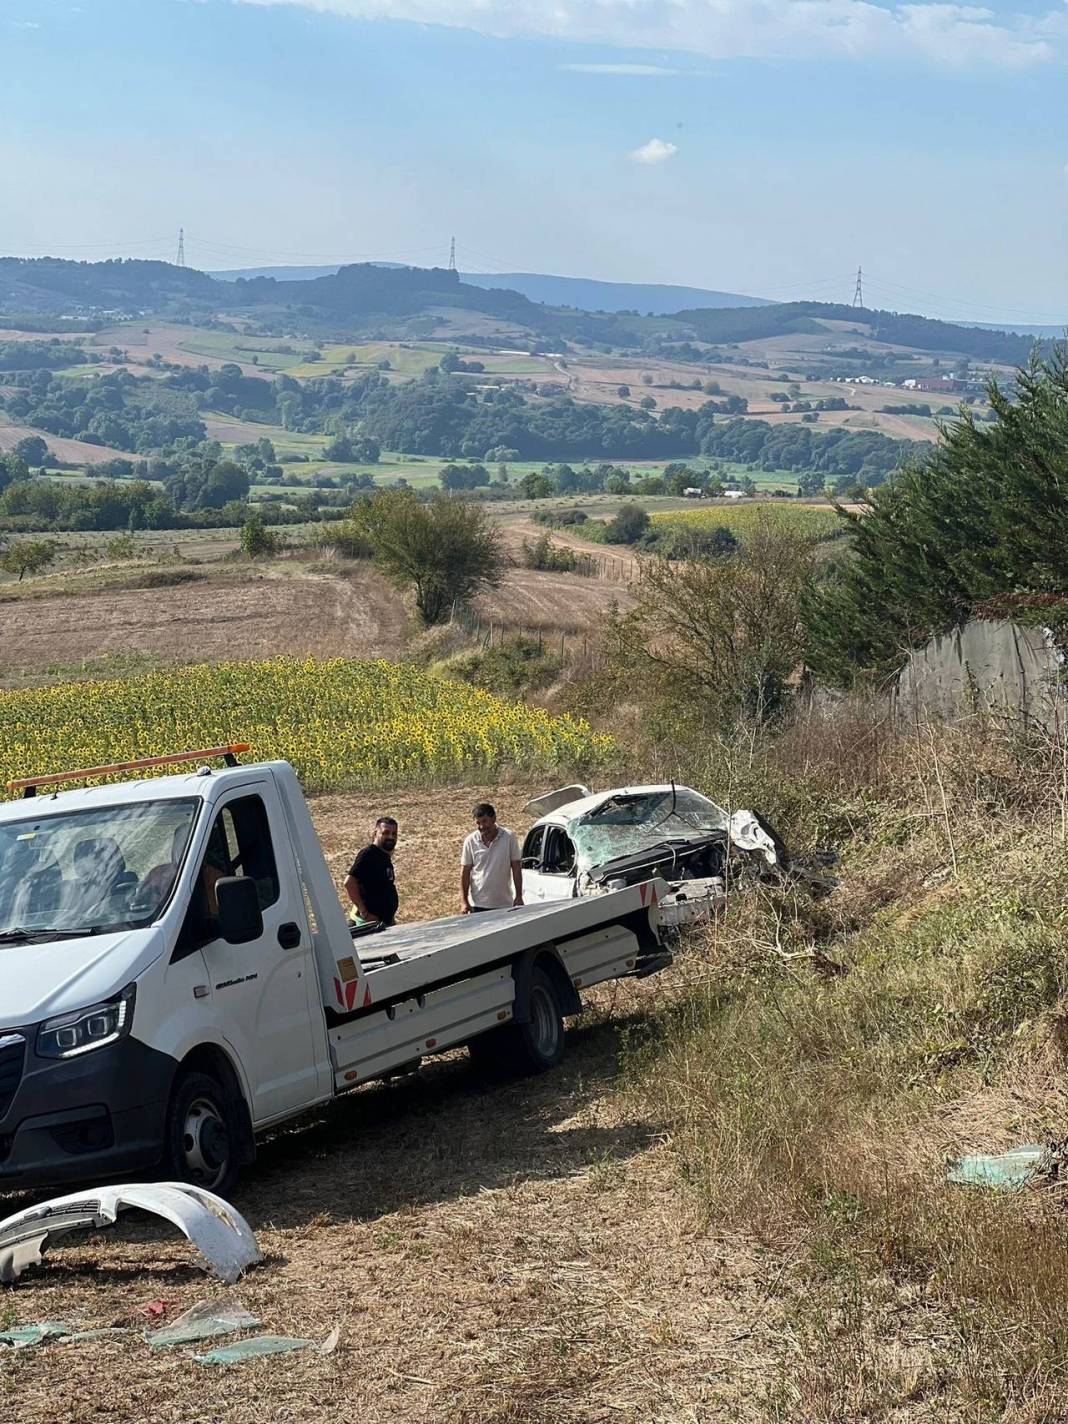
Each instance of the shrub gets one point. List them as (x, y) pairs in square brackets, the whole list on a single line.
[(257, 541)]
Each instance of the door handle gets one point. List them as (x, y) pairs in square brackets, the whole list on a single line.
[(289, 935)]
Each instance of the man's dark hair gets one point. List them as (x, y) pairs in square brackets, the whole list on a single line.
[(484, 809), (385, 821)]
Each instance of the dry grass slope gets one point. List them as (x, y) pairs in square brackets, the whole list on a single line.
[(835, 1054)]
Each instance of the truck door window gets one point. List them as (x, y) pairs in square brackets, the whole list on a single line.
[(239, 844)]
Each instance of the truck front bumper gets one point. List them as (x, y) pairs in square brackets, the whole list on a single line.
[(100, 1115)]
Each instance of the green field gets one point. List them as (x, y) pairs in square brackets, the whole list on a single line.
[(235, 346), (407, 359)]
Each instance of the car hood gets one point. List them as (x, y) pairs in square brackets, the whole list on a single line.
[(59, 976)]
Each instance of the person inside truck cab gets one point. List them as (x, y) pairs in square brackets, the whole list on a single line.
[(157, 882), (370, 883), (100, 873)]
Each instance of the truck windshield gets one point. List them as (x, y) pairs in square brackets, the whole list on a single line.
[(110, 867), (630, 822)]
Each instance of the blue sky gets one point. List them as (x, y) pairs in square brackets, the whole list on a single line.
[(761, 146)]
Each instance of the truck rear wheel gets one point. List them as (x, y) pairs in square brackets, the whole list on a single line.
[(201, 1140), (531, 1047)]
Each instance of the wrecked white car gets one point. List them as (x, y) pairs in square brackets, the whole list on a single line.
[(586, 843)]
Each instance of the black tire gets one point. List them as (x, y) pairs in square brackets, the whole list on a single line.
[(201, 1140), (523, 1049)]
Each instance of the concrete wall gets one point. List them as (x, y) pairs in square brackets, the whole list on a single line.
[(985, 666)]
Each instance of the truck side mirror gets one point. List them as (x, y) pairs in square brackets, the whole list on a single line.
[(240, 916)]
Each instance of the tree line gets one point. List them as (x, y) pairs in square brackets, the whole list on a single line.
[(442, 414)]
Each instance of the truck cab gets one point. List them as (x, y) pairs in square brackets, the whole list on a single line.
[(110, 916)]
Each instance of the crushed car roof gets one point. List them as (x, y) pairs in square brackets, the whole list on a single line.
[(585, 804)]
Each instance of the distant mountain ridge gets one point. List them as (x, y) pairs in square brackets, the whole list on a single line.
[(583, 293), (390, 301)]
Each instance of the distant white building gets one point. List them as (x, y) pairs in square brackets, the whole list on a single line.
[(692, 493), (734, 494)]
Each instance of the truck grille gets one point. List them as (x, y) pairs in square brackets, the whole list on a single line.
[(12, 1050)]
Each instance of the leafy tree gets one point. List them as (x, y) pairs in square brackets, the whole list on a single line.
[(463, 477), (32, 450), (28, 556), (357, 449), (12, 468), (647, 403), (446, 550), (536, 486), (623, 392), (718, 639), (628, 526), (984, 516), (225, 482)]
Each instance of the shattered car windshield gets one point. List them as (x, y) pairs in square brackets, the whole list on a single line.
[(91, 870), (630, 822)]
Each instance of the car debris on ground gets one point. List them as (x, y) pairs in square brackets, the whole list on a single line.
[(221, 1235), (587, 843), (224, 1315), (1005, 1171)]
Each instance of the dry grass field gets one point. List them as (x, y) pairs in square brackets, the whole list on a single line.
[(244, 614), (202, 611)]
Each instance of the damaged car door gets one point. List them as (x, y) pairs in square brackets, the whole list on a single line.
[(548, 864)]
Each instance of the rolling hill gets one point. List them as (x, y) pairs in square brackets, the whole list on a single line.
[(581, 293)]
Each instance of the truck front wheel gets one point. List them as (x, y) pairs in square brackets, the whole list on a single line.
[(531, 1047), (201, 1140)]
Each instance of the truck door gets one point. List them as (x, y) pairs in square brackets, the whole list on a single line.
[(260, 990)]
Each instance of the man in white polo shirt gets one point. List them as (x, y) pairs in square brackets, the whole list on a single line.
[(489, 865)]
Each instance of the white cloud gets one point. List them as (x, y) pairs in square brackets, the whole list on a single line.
[(25, 24), (637, 69), (655, 151), (953, 35)]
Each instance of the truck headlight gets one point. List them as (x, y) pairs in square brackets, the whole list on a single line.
[(80, 1032)]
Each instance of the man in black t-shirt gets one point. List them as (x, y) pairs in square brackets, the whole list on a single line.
[(370, 884)]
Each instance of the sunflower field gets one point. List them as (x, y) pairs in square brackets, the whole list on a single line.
[(341, 723), (815, 519)]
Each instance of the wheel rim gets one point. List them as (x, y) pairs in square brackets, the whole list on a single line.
[(205, 1143), (544, 1022)]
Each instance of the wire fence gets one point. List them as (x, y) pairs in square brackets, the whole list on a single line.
[(487, 633)]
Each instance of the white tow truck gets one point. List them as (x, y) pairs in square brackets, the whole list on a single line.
[(177, 974)]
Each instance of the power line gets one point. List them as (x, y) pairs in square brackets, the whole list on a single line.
[(180, 259), (452, 255), (858, 291), (960, 304)]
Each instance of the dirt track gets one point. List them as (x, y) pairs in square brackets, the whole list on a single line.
[(511, 1254)]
